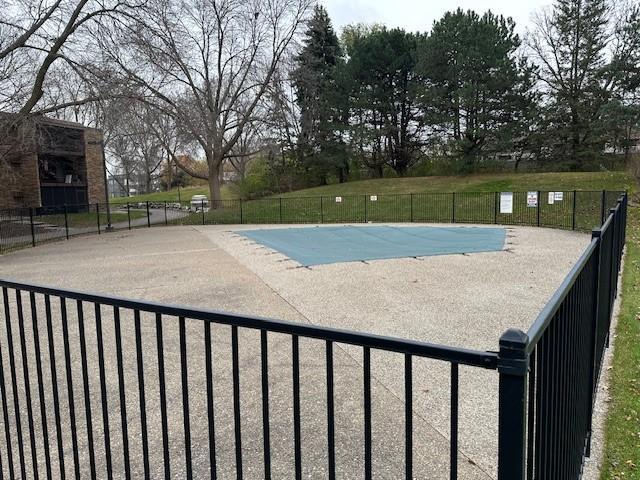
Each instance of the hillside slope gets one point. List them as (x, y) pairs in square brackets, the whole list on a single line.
[(478, 183)]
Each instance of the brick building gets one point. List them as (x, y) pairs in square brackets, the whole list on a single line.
[(49, 162)]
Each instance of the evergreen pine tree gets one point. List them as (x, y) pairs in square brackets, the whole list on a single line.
[(318, 96)]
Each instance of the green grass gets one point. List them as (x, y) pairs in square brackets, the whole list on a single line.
[(172, 195), (84, 219), (478, 183), (622, 435)]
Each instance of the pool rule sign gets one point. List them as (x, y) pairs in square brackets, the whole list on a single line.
[(506, 202), (532, 199)]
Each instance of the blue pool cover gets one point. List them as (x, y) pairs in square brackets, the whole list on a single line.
[(323, 245)]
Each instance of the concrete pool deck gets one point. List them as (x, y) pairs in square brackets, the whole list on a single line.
[(459, 300)]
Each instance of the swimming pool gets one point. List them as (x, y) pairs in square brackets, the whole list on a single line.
[(324, 245)]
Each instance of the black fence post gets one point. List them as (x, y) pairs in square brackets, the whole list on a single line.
[(365, 208), (513, 363), (129, 215), (202, 209), (280, 207), (538, 209), (495, 208), (66, 222), (321, 211), (573, 212), (166, 220), (33, 230), (148, 215), (602, 206), (241, 219), (98, 216), (453, 207), (411, 205)]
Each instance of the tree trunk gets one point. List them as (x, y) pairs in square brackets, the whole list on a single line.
[(214, 182)]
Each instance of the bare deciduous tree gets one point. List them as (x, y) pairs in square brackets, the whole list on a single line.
[(207, 64), (39, 38)]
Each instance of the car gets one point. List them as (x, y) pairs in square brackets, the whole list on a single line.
[(199, 201)]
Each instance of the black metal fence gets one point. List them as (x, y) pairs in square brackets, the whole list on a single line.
[(549, 375), (105, 387), (577, 210)]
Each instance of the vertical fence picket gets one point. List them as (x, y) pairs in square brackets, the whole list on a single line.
[(295, 350), (122, 393), (27, 385), (66, 222), (453, 434), (163, 398), (38, 358), (184, 369), (54, 385), (103, 391), (86, 388), (408, 416), (210, 405), (236, 400), (266, 439), (331, 441), (142, 395), (33, 230), (367, 414)]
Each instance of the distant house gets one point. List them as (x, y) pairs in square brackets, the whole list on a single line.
[(49, 162), (229, 173), (135, 184)]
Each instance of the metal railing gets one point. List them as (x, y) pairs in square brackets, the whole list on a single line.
[(79, 313), (571, 210), (549, 375), (101, 386)]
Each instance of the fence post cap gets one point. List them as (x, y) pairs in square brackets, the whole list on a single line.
[(596, 233), (513, 358), (514, 338)]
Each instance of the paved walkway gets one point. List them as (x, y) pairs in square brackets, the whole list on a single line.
[(464, 300)]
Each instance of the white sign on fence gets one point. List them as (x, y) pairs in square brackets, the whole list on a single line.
[(338, 199), (373, 198), (558, 196), (506, 202), (552, 196), (532, 199)]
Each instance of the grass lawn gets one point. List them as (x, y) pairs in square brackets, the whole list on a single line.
[(172, 195), (622, 436), (84, 219), (478, 183)]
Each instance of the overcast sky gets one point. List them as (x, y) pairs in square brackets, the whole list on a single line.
[(419, 15)]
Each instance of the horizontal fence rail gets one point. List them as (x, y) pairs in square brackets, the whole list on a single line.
[(108, 387), (571, 210)]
